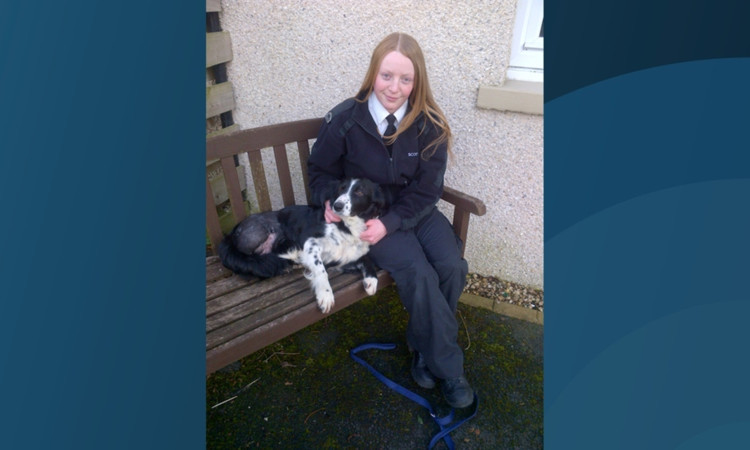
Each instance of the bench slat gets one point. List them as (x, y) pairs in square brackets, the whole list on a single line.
[(262, 137), (264, 306), (215, 270), (259, 180), (212, 218), (218, 183), (221, 286), (304, 156), (236, 295), (287, 324), (233, 187), (285, 177)]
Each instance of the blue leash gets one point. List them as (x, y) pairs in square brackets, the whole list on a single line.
[(443, 422)]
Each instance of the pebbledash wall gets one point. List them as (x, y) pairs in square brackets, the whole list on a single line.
[(297, 59)]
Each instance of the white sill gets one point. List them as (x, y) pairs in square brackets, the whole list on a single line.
[(514, 96)]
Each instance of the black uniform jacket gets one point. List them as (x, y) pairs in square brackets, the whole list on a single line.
[(349, 145)]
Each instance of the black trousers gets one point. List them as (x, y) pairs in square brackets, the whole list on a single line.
[(430, 275)]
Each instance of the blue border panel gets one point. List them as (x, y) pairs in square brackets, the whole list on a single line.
[(646, 192), (102, 329), (645, 131), (590, 41)]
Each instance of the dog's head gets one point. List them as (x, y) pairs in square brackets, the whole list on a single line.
[(358, 197)]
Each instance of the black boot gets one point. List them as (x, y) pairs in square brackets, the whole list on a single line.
[(420, 372), (457, 392)]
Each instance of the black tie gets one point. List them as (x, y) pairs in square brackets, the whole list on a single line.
[(390, 130)]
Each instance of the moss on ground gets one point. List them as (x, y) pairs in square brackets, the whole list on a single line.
[(306, 392)]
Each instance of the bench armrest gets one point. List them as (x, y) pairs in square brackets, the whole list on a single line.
[(464, 201), (465, 205)]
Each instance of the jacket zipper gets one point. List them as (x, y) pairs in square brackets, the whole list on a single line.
[(391, 166)]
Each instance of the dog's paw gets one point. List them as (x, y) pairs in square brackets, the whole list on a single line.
[(371, 285), (325, 300)]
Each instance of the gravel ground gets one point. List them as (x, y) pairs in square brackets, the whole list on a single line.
[(505, 291)]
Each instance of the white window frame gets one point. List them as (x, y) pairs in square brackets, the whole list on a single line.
[(527, 50)]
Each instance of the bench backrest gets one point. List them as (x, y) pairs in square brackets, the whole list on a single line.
[(226, 149)]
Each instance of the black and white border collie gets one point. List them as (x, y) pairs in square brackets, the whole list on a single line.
[(267, 244)]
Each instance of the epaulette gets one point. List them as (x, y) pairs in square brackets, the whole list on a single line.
[(343, 106)]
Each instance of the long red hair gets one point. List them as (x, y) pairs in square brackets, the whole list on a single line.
[(420, 99)]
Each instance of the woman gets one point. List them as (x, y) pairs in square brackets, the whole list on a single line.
[(394, 133)]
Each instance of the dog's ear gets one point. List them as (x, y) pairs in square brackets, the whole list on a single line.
[(377, 202), (332, 191), (378, 197)]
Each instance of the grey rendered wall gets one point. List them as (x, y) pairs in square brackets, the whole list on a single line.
[(297, 59)]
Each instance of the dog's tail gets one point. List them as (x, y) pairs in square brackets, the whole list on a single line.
[(264, 266)]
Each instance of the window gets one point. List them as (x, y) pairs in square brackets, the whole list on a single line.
[(527, 51), (522, 89)]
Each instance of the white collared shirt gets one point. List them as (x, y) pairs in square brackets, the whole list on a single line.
[(379, 113)]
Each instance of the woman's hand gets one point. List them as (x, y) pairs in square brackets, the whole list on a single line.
[(330, 215), (375, 231)]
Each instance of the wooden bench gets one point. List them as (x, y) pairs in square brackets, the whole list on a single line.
[(245, 314)]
